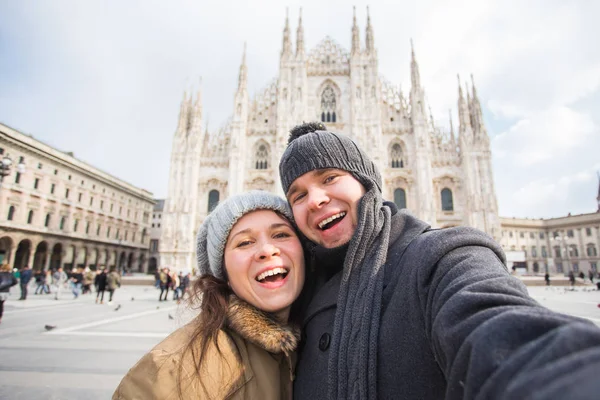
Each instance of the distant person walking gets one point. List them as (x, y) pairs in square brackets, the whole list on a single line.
[(113, 281), (40, 281), (547, 279), (100, 283), (165, 282), (76, 281), (88, 279), (591, 276), (59, 279), (7, 280), (572, 278), (26, 274)]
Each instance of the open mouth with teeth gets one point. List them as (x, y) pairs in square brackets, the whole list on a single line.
[(331, 221), (272, 275)]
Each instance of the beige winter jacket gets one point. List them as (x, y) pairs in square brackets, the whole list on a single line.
[(257, 362)]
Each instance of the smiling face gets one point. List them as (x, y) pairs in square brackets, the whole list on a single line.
[(325, 205), (264, 261)]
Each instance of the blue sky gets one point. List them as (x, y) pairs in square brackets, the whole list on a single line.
[(104, 79)]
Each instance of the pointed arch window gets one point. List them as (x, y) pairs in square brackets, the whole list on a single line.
[(400, 198), (47, 221), (11, 213), (396, 156), (262, 157), (447, 202), (328, 105), (213, 199)]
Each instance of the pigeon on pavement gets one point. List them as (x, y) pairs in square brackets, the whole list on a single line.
[(118, 307), (171, 317), (49, 327), (132, 299)]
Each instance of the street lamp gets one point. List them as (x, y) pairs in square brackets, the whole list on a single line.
[(5, 167)]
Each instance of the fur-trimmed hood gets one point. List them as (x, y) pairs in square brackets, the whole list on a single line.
[(261, 328)]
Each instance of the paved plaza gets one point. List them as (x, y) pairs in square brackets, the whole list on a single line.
[(93, 346)]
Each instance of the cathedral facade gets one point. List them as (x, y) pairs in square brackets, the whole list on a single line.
[(444, 177)]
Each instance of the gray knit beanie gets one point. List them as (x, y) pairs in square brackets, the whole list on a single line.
[(321, 149), (215, 229)]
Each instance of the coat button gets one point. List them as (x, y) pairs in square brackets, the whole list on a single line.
[(324, 341)]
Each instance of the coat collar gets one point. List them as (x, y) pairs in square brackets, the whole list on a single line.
[(261, 328)]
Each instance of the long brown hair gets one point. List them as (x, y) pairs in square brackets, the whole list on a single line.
[(210, 296)]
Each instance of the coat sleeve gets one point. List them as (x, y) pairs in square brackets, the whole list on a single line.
[(142, 381), (490, 338)]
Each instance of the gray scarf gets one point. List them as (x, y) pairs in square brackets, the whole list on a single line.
[(353, 357)]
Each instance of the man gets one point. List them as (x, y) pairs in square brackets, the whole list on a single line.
[(395, 309), (76, 281), (113, 281), (26, 274), (59, 278)]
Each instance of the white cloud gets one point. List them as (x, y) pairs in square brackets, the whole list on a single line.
[(545, 135), (574, 193)]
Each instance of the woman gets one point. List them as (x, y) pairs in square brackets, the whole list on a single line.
[(241, 345), (7, 280)]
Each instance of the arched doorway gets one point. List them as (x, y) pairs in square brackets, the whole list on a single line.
[(40, 257), (56, 257), (5, 249), (122, 262), (23, 252), (94, 259), (141, 263), (152, 265), (112, 260), (130, 262)]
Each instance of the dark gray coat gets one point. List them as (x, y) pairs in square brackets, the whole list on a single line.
[(455, 324)]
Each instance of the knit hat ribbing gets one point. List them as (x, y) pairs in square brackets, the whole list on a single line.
[(324, 149), (215, 229)]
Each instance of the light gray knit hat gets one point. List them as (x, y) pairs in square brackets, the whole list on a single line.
[(214, 231), (312, 147)]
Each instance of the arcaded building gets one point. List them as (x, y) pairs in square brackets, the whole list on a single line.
[(60, 211)]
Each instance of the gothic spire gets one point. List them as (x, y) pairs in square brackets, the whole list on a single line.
[(415, 77), (463, 110), (184, 112), (300, 36), (355, 35), (476, 109), (243, 75), (287, 44), (198, 102), (452, 139), (598, 197), (370, 41)]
